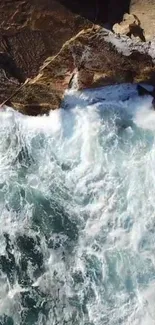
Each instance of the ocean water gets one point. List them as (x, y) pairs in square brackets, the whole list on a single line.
[(77, 212)]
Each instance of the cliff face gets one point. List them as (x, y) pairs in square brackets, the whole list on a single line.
[(40, 40), (139, 20), (92, 58), (30, 31), (33, 30)]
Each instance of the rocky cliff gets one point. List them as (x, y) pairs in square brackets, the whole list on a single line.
[(31, 31), (57, 44)]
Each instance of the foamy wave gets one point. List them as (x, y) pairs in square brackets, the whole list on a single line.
[(77, 193)]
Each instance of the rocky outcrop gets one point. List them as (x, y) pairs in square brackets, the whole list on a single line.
[(41, 41), (31, 31), (130, 26), (138, 21), (145, 11), (93, 58)]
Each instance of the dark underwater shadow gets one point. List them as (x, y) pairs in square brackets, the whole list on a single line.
[(92, 96)]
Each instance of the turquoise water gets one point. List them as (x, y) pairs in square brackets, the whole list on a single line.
[(77, 221)]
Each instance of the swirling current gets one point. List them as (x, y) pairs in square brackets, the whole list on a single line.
[(77, 212)]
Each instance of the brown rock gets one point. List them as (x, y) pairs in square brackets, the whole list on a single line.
[(91, 59), (145, 11), (31, 31), (140, 22), (130, 26)]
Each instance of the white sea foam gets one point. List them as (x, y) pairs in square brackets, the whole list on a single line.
[(95, 159)]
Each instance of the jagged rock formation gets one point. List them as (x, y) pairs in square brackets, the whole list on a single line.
[(130, 26), (140, 22), (94, 57), (31, 31), (145, 11), (39, 40)]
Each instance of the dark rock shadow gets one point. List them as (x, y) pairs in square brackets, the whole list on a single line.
[(99, 11), (11, 70)]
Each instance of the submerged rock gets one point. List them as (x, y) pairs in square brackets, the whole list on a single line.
[(142, 91)]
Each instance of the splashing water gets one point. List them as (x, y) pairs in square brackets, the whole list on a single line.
[(77, 221)]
